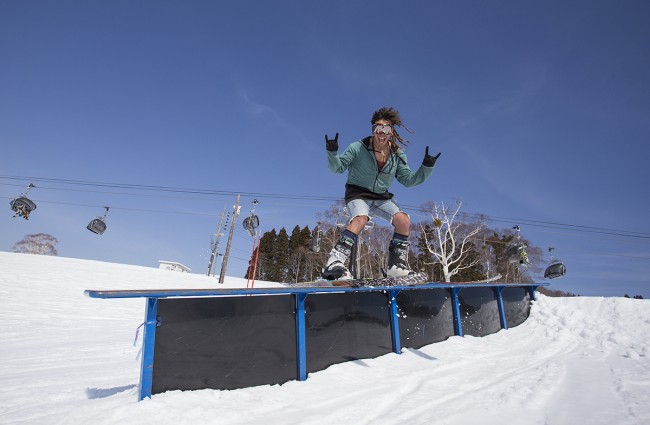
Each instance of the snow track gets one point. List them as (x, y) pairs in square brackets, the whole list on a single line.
[(69, 359)]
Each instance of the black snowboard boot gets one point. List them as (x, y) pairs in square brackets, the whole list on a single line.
[(398, 264), (335, 268)]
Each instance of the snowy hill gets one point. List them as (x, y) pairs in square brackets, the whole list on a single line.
[(69, 359)]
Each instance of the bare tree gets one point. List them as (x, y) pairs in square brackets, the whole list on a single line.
[(297, 263), (40, 244), (328, 231), (374, 253), (450, 243)]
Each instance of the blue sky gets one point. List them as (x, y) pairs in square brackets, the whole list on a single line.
[(541, 111)]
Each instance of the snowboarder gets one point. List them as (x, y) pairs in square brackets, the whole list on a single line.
[(373, 163)]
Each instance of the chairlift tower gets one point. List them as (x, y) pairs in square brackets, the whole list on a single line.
[(214, 245)]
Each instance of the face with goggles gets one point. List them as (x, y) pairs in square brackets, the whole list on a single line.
[(382, 132)]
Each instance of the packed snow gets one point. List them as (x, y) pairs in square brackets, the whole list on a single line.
[(69, 359)]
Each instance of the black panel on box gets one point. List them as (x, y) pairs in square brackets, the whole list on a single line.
[(224, 342), (516, 303), (425, 316), (346, 326), (479, 312)]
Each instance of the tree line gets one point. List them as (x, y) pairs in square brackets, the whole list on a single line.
[(300, 255)]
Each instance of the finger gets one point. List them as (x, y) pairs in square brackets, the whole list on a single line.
[(426, 152), (336, 138), (436, 157), (326, 138)]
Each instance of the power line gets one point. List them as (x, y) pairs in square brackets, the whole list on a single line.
[(212, 192), (105, 192), (171, 189), (122, 208), (544, 224)]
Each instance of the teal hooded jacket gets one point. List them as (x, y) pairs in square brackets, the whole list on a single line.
[(363, 173)]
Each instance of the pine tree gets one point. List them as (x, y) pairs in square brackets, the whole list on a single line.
[(279, 257), (424, 261), (474, 272), (266, 254), (297, 255), (498, 246)]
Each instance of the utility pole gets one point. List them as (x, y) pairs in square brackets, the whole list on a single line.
[(215, 243), (232, 231)]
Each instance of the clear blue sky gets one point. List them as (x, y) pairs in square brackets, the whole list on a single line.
[(541, 111)]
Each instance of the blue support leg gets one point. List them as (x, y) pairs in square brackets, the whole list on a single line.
[(394, 321), (531, 290), (458, 325), (148, 345), (301, 346), (502, 312)]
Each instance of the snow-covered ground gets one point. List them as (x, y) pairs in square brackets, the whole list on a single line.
[(69, 359)]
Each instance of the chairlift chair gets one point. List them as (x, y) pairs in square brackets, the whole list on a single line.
[(555, 268), (516, 253), (98, 224), (252, 222), (22, 205)]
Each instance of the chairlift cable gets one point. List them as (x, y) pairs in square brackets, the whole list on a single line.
[(538, 223), (607, 234), (125, 208), (173, 189), (532, 223)]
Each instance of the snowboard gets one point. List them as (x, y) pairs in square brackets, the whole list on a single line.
[(414, 279)]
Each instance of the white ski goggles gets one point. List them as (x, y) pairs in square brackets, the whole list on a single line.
[(381, 128)]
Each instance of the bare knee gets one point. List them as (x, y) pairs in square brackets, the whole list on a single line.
[(402, 223), (358, 223)]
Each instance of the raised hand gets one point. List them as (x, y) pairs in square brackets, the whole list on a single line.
[(332, 144), (429, 161)]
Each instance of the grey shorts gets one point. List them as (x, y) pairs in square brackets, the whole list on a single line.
[(385, 209)]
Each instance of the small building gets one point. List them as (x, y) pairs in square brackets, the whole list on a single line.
[(173, 266)]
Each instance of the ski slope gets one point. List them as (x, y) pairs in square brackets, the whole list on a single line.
[(69, 359)]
